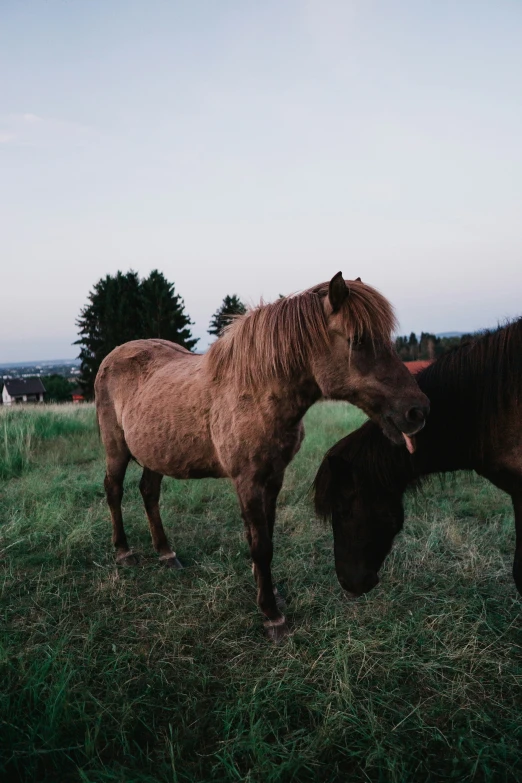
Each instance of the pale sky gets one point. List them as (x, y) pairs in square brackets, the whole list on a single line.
[(257, 147)]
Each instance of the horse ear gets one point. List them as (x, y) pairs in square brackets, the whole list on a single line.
[(338, 291), (358, 280)]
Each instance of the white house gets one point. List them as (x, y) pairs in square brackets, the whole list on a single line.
[(22, 390)]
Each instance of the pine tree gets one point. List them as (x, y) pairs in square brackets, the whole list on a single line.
[(401, 346), (163, 311), (230, 306), (122, 308), (413, 346), (428, 346)]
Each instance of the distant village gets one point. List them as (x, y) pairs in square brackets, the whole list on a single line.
[(53, 381)]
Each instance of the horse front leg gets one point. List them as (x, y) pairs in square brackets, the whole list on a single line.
[(272, 490), (253, 510)]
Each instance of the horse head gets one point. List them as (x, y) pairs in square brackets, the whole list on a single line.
[(359, 363), (366, 514)]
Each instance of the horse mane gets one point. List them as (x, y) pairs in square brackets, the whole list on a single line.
[(471, 390), (278, 339), (474, 386)]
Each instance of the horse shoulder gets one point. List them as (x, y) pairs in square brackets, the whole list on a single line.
[(253, 428)]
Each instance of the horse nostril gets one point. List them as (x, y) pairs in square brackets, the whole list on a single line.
[(415, 416)]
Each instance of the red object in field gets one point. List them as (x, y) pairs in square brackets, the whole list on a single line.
[(77, 395), (415, 367)]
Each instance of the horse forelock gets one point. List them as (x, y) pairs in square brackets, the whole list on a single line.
[(281, 337), (368, 313)]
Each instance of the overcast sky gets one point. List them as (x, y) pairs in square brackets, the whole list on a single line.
[(257, 147)]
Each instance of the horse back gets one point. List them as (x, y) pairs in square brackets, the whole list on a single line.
[(128, 367)]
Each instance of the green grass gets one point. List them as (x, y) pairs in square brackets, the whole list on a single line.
[(22, 431), (143, 675)]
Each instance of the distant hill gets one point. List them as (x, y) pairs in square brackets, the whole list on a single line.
[(449, 334)]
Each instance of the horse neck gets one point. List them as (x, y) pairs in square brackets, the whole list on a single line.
[(289, 396), (379, 461), (450, 440), (301, 392), (443, 448), (290, 385), (440, 448), (455, 436)]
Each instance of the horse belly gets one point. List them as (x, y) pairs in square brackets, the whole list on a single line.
[(176, 461), (173, 443)]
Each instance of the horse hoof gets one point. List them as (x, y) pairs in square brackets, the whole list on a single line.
[(130, 559), (277, 631), (171, 562)]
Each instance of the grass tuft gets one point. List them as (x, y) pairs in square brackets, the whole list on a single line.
[(24, 428)]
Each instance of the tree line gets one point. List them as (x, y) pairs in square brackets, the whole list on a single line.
[(125, 307), (428, 346)]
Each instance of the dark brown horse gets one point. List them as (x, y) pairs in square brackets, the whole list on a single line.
[(475, 423), (237, 410)]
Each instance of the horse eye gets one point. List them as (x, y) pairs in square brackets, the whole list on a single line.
[(355, 342)]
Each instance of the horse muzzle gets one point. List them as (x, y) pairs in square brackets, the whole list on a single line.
[(363, 583)]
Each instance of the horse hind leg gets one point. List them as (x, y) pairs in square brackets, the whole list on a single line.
[(116, 468), (150, 487)]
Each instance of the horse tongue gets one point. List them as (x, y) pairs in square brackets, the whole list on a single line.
[(410, 443)]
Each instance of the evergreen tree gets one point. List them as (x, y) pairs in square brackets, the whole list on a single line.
[(230, 306), (413, 345), (428, 347), (122, 308), (163, 311), (401, 346)]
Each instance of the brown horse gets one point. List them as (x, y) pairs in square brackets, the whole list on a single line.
[(475, 423), (237, 410)]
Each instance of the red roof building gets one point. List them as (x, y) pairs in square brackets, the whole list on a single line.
[(415, 367), (77, 394)]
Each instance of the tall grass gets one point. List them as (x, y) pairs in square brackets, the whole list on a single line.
[(144, 675), (24, 428)]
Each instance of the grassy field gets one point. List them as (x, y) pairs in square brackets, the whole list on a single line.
[(139, 675)]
